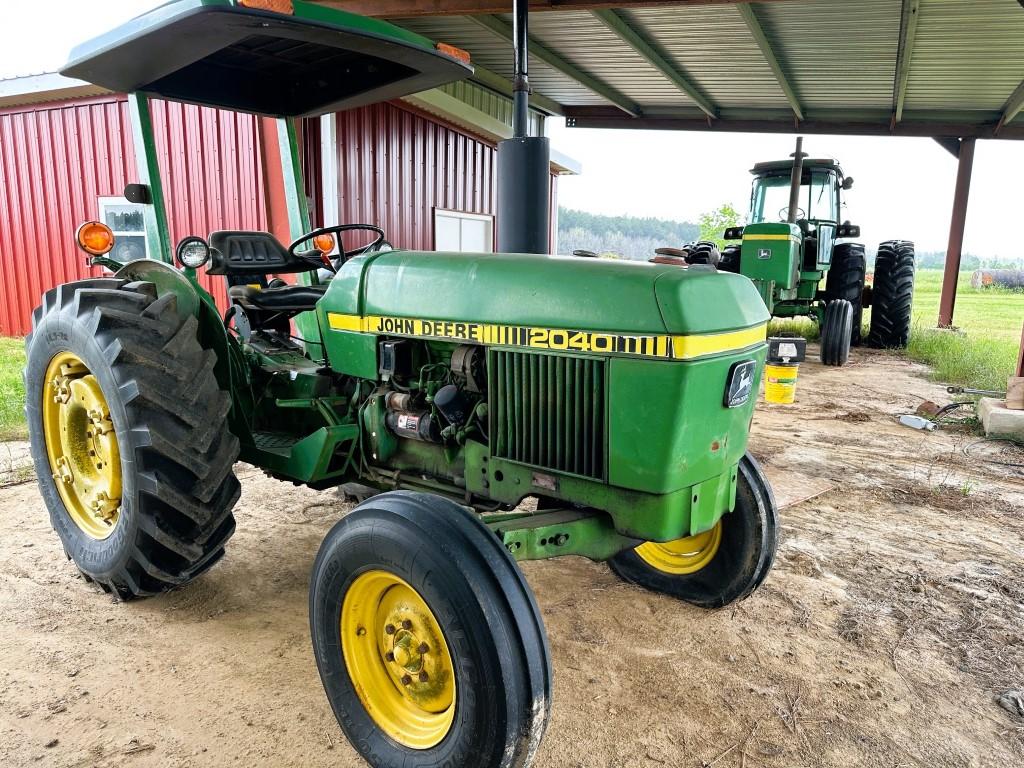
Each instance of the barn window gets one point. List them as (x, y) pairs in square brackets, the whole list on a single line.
[(127, 222), (458, 231)]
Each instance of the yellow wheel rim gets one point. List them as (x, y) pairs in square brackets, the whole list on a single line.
[(81, 445), (682, 556), (398, 660)]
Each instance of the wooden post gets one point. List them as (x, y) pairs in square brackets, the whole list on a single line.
[(956, 233)]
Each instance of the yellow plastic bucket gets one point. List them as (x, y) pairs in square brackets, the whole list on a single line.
[(780, 383)]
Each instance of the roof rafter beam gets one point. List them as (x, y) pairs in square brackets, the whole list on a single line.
[(904, 52), (931, 126), (634, 40), (499, 28), (397, 9), (1013, 106), (769, 56)]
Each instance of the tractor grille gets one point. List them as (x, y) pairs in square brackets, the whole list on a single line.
[(548, 410)]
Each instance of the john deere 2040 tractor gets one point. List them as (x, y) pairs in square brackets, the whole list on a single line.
[(794, 239), (448, 388)]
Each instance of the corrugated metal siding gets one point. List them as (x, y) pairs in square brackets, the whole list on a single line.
[(57, 161), (395, 166), (600, 52), (54, 163), (491, 103), (838, 54), (968, 55), (495, 54), (713, 46)]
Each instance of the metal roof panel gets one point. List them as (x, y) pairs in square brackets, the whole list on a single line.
[(968, 54), (838, 54), (714, 47), (488, 50)]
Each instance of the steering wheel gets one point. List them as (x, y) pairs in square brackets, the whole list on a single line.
[(784, 214), (321, 259)]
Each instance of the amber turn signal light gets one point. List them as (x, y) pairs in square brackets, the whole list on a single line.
[(277, 6), (95, 237), (451, 50), (324, 243)]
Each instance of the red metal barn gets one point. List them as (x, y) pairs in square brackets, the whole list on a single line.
[(423, 168)]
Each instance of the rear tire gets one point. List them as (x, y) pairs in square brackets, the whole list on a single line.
[(730, 261), (845, 280), (445, 560), (174, 473), (836, 330), (892, 295), (743, 558)]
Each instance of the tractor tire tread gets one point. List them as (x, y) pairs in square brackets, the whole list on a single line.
[(176, 431), (892, 295), (845, 280)]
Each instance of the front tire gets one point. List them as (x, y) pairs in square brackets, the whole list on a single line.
[(845, 280), (129, 436), (429, 643), (892, 295), (722, 565), (836, 330)]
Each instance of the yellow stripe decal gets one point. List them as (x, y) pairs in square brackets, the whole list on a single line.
[(770, 237), (658, 346)]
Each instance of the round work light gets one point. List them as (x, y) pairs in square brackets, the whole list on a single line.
[(192, 252)]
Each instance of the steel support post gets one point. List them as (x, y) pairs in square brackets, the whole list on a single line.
[(158, 238), (958, 220)]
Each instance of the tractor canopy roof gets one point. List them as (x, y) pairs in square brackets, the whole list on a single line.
[(274, 57), (774, 167)]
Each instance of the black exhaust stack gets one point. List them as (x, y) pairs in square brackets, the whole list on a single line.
[(795, 178), (524, 184)]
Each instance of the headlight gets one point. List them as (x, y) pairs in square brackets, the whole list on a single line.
[(192, 252), (740, 384)]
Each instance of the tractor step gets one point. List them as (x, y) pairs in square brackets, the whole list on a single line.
[(274, 442)]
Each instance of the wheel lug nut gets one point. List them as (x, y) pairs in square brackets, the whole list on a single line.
[(406, 679), (422, 648), (389, 629), (406, 624), (389, 656), (424, 677)]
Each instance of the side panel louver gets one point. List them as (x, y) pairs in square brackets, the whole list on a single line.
[(549, 411)]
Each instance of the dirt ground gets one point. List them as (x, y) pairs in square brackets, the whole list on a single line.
[(892, 620)]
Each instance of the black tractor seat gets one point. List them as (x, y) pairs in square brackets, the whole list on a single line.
[(287, 298)]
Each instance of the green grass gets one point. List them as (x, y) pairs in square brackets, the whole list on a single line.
[(981, 354), (12, 391)]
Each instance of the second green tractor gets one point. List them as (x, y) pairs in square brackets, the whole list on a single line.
[(794, 239)]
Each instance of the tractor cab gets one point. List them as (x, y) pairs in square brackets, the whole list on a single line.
[(818, 204)]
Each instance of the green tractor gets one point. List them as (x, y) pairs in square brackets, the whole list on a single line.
[(794, 239), (445, 388)]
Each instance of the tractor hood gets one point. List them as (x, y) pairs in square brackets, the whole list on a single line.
[(298, 60), (545, 292)]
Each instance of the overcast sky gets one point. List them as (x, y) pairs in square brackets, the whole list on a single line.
[(904, 187)]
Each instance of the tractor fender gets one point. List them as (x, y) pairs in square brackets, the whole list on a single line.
[(192, 299)]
